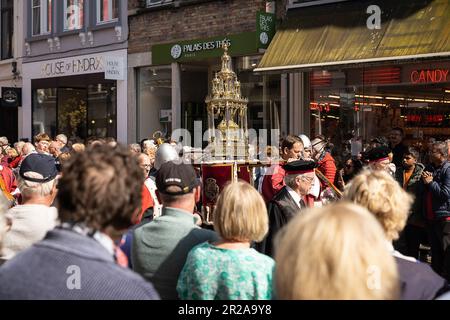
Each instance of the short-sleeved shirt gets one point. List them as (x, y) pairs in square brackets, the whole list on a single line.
[(213, 273)]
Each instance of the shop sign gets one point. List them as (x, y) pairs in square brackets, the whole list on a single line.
[(11, 97), (115, 68), (240, 44), (265, 28), (429, 76), (185, 51), (72, 66)]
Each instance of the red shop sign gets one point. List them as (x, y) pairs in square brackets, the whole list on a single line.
[(429, 76)]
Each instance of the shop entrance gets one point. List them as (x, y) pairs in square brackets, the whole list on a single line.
[(9, 123)]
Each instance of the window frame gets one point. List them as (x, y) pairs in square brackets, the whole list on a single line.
[(110, 11), (44, 23), (7, 34), (157, 4)]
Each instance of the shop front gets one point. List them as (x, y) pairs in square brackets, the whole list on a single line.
[(357, 81), (171, 90), (82, 97)]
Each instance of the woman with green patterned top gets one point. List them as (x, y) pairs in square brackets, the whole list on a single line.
[(229, 269)]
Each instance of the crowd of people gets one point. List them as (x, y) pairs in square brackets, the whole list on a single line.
[(105, 221)]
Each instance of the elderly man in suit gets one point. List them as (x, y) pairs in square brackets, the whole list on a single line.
[(289, 201)]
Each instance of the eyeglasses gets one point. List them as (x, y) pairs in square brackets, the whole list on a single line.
[(146, 166), (308, 179)]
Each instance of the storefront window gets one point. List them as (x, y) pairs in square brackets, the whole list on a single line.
[(102, 101), (367, 102), (78, 112), (44, 111), (72, 112), (154, 99), (263, 93)]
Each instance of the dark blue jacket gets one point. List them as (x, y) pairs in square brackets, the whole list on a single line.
[(440, 190), (47, 270), (418, 281)]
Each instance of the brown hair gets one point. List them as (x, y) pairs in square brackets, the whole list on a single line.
[(100, 187), (42, 137), (289, 142)]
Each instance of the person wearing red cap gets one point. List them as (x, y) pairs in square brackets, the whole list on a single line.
[(289, 201)]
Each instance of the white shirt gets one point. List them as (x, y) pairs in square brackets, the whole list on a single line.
[(294, 195)]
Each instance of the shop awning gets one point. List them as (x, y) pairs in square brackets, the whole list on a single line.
[(337, 34)]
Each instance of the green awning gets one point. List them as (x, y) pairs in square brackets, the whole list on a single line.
[(337, 34)]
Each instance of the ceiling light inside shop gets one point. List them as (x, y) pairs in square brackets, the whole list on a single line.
[(333, 96), (395, 98)]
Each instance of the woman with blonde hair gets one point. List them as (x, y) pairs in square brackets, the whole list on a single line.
[(335, 252), (390, 204), (229, 269)]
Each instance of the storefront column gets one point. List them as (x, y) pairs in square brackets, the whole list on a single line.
[(25, 125), (284, 104), (122, 110), (176, 96), (299, 113)]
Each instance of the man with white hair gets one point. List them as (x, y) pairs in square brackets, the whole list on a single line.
[(286, 204), (149, 198), (61, 139), (3, 143), (34, 217), (28, 149)]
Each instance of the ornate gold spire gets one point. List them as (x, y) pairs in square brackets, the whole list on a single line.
[(226, 103)]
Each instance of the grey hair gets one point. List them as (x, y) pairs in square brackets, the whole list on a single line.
[(3, 140), (442, 147), (62, 138), (28, 148), (290, 180), (30, 189)]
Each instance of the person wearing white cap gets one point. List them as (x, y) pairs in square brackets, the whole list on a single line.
[(307, 149)]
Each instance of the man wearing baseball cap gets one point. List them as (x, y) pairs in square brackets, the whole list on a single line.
[(34, 217), (160, 248)]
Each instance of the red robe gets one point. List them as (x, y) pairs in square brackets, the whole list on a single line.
[(273, 182), (8, 178)]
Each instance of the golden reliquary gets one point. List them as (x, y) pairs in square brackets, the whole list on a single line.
[(228, 109)]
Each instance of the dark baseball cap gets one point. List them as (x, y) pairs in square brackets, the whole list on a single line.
[(176, 174), (39, 163)]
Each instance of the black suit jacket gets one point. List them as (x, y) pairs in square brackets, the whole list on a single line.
[(281, 209)]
